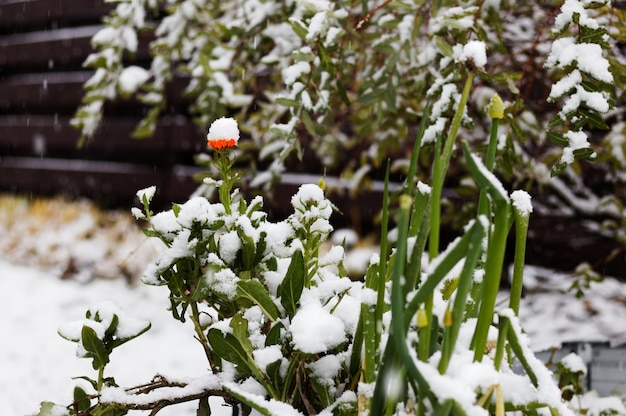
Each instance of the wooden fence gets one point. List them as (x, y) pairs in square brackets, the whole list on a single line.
[(43, 44)]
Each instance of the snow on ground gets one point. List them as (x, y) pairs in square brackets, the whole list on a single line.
[(36, 364)]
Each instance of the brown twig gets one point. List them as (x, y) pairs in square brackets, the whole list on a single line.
[(368, 16)]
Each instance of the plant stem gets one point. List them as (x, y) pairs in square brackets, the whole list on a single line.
[(515, 294), (441, 167), (201, 336), (100, 379), (491, 282), (382, 267), (521, 233), (490, 160), (465, 283)]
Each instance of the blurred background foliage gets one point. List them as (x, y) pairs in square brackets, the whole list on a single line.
[(338, 87)]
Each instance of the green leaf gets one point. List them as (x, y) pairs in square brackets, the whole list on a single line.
[(110, 331), (299, 28), (557, 138), (147, 125), (273, 373), (391, 95), (558, 168), (584, 153), (240, 331), (93, 382), (341, 89), (274, 335), (556, 121), (227, 347), (519, 352), (81, 401), (325, 59), (256, 292), (95, 347), (371, 97), (443, 46), (248, 250), (119, 341), (287, 102), (291, 287), (308, 123), (483, 178)]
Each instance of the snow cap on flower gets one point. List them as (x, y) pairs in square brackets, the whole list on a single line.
[(223, 133)]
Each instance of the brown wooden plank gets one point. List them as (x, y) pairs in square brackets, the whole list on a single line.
[(176, 140), (44, 92), (15, 15), (61, 93), (112, 183), (47, 50), (65, 48)]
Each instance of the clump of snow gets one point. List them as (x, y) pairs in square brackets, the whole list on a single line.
[(229, 245), (475, 53), (576, 140), (522, 202), (293, 72), (146, 193), (223, 281), (344, 237), (576, 7), (224, 128), (590, 404), (574, 363), (132, 78), (315, 330), (588, 58)]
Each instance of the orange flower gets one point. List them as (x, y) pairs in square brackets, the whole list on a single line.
[(223, 134), (218, 144)]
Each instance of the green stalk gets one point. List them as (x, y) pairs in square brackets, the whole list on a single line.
[(495, 251), (483, 201), (521, 233), (100, 381), (382, 269), (491, 281), (224, 165), (419, 221), (410, 179), (201, 336), (521, 220), (440, 167), (398, 301), (453, 255), (477, 233), (370, 345)]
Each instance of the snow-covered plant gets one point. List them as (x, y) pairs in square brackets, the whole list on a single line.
[(104, 328), (587, 82), (286, 332), (347, 80)]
